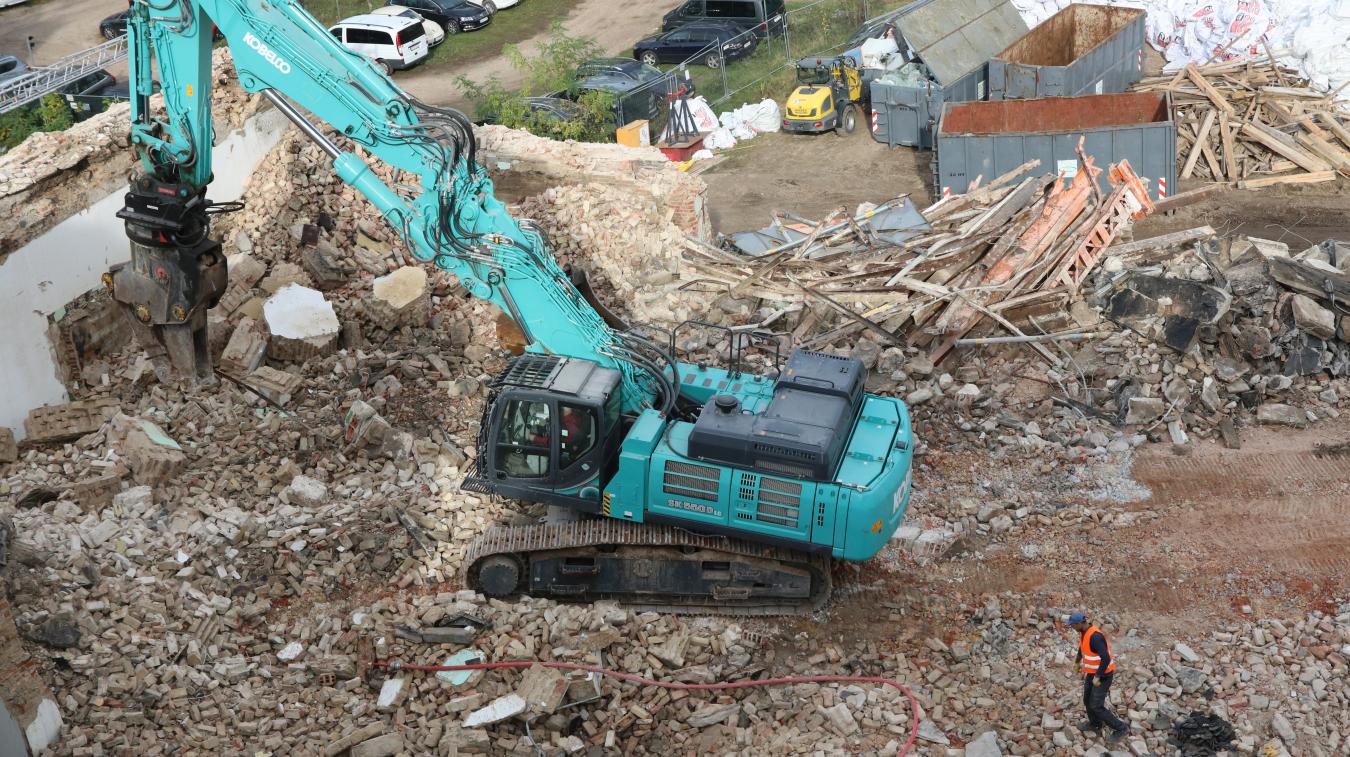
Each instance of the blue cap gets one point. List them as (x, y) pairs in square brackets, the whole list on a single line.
[(1077, 617)]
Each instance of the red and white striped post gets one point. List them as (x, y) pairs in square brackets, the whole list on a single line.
[(875, 126), (1162, 188), (946, 192), (1139, 59)]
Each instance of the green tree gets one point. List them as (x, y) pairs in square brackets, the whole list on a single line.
[(55, 113), (51, 113), (551, 70)]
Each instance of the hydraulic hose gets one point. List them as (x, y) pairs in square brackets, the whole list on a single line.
[(397, 665)]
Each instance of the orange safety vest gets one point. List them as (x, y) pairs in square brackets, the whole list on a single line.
[(1093, 661)]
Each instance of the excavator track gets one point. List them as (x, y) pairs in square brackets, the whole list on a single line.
[(648, 567)]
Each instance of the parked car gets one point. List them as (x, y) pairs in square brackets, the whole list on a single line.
[(86, 95), (711, 43), (11, 67), (393, 42), (121, 90), (435, 34), (492, 6), (634, 71), (763, 16), (543, 108), (454, 16), (114, 26)]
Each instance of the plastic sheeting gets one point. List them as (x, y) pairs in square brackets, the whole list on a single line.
[(1310, 35)]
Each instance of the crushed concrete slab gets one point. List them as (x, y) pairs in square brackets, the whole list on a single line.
[(402, 297), (499, 709), (302, 324)]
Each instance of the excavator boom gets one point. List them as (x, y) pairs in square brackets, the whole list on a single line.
[(690, 487)]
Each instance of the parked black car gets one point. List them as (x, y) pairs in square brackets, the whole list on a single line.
[(454, 15), (543, 108), (86, 95), (114, 26), (709, 43), (763, 16), (11, 67), (623, 70)]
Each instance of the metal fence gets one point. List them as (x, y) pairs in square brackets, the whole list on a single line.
[(721, 71)]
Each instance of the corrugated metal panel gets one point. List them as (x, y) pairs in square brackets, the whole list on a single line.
[(989, 139), (955, 37), (1082, 50)]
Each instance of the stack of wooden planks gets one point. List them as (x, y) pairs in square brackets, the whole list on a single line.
[(991, 256), (1254, 123)]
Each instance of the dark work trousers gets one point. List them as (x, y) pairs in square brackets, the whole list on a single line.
[(1094, 699)]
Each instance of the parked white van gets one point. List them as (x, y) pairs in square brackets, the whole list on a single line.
[(393, 42)]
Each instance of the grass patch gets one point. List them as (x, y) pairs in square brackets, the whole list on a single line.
[(509, 26), (820, 28)]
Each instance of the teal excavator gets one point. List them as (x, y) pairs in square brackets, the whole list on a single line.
[(690, 486)]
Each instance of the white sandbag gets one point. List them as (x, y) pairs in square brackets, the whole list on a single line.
[(704, 116), (719, 139), (702, 154)]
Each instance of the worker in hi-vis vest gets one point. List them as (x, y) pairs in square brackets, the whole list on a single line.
[(1099, 668)]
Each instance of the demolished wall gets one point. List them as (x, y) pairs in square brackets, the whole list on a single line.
[(55, 175), (59, 195)]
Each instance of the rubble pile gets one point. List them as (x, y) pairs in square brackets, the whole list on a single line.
[(1226, 328)]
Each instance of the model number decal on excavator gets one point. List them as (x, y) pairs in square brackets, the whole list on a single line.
[(267, 52), (693, 507), (902, 491)]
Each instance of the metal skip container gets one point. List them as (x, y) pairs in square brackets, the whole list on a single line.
[(987, 139), (1082, 50), (946, 45)]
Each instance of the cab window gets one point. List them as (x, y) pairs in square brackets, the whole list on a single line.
[(576, 429), (524, 439)]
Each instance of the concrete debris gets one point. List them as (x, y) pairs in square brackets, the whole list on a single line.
[(9, 450), (302, 324), (153, 457), (307, 491), (246, 349), (401, 298), (497, 710), (387, 745), (60, 423), (276, 386), (542, 689), (711, 714), (365, 429), (984, 746)]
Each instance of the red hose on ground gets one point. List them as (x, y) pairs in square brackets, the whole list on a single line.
[(396, 665)]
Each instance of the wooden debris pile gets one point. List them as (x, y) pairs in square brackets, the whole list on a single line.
[(1255, 123), (1001, 253)]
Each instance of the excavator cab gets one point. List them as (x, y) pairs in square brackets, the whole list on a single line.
[(551, 432)]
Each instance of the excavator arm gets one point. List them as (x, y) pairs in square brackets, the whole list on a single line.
[(450, 218)]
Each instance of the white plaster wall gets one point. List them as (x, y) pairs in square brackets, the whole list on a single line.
[(70, 259)]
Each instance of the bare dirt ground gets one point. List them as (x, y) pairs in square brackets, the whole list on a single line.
[(811, 175), (61, 27)]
